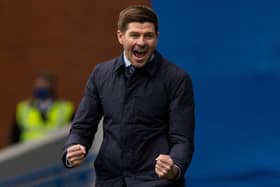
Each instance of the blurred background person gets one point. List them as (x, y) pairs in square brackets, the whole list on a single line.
[(41, 114)]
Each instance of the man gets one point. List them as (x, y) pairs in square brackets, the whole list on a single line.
[(42, 114), (148, 109)]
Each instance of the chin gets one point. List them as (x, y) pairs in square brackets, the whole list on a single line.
[(139, 65)]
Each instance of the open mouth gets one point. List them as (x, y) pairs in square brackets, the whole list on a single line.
[(140, 54)]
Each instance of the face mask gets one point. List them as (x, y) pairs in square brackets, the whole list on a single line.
[(42, 93)]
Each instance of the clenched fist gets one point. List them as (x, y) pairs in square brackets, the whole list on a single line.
[(165, 167), (75, 154)]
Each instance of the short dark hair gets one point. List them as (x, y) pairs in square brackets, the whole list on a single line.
[(137, 13)]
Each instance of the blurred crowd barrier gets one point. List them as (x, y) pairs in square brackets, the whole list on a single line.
[(39, 163)]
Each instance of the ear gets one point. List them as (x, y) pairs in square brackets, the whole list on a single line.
[(120, 36)]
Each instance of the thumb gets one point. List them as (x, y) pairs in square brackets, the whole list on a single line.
[(83, 149)]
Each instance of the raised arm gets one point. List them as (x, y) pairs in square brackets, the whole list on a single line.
[(87, 117), (181, 122)]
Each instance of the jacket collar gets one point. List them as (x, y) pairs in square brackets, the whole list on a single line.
[(151, 67)]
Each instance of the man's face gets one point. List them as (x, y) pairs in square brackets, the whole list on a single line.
[(139, 42), (41, 83), (42, 89)]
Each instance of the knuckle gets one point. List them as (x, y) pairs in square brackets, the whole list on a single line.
[(68, 156)]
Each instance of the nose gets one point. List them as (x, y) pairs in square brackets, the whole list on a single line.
[(140, 41)]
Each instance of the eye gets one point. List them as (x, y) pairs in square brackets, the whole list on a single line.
[(149, 35), (134, 35)]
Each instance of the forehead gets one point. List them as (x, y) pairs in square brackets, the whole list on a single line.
[(40, 81), (140, 27)]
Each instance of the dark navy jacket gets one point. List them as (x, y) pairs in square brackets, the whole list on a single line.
[(148, 114)]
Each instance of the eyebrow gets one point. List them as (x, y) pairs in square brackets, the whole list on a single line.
[(135, 32)]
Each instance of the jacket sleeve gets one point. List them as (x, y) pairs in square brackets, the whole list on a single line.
[(87, 117), (181, 122)]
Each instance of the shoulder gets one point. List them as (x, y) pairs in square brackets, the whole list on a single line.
[(176, 80), (105, 66), (22, 107), (102, 72), (65, 103), (173, 73), (23, 103)]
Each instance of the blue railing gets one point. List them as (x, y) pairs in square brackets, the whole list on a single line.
[(56, 176)]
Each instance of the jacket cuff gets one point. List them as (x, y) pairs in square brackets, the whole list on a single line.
[(179, 172), (68, 164), (65, 161)]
